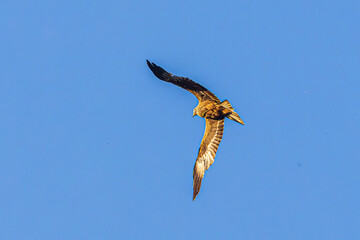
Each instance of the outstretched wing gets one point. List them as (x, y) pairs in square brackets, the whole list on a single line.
[(199, 91), (213, 133)]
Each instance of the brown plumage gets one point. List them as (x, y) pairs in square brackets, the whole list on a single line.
[(212, 110)]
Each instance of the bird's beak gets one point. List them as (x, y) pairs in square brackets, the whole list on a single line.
[(194, 114)]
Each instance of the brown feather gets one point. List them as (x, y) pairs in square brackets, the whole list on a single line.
[(213, 134), (200, 92), (235, 117), (226, 104), (198, 175)]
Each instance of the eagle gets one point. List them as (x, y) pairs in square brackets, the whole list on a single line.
[(213, 110)]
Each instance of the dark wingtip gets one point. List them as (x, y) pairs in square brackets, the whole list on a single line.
[(158, 71), (150, 65)]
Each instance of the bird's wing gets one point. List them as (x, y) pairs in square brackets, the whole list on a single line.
[(199, 91), (213, 133)]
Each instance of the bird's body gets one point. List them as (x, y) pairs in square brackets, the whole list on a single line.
[(212, 110)]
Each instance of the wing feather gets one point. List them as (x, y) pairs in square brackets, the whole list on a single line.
[(199, 91), (212, 137)]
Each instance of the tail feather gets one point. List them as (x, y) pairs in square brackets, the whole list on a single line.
[(226, 104), (234, 116)]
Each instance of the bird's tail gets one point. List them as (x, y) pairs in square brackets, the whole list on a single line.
[(233, 115)]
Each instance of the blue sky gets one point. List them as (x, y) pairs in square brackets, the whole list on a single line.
[(93, 146)]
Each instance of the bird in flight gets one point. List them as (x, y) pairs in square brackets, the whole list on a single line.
[(212, 110)]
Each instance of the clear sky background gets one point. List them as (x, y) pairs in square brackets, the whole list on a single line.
[(94, 146)]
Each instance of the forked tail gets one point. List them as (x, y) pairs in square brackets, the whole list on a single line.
[(233, 115)]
